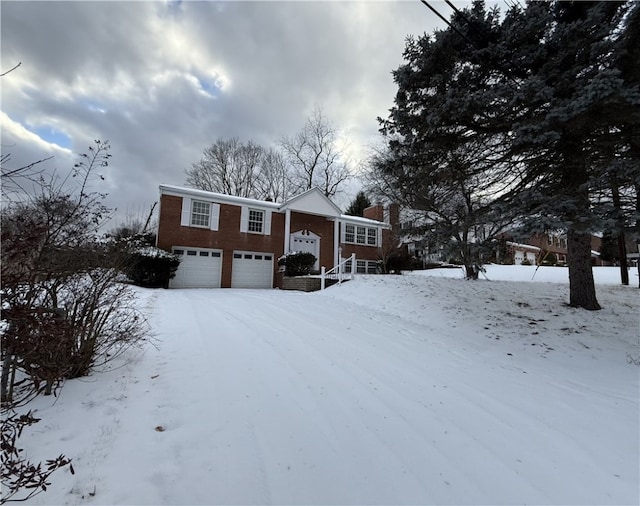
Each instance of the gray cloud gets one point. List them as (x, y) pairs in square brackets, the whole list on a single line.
[(161, 81)]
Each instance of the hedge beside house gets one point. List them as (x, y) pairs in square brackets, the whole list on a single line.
[(151, 267)]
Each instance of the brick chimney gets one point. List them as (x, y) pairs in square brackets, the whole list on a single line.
[(374, 212)]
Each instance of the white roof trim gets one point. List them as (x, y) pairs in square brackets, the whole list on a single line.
[(359, 220), (179, 191), (523, 246), (289, 204)]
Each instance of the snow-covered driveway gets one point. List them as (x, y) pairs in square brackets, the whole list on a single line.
[(271, 397)]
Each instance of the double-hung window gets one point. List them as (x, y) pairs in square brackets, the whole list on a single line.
[(372, 236), (256, 221), (200, 213), (349, 233), (356, 234)]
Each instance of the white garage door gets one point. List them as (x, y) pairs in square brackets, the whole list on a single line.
[(252, 270), (518, 257), (199, 268)]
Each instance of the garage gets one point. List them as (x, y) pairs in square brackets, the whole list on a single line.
[(252, 270), (199, 268)]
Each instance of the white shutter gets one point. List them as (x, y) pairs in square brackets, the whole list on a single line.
[(185, 217), (267, 222), (379, 238), (342, 231), (214, 219), (244, 219)]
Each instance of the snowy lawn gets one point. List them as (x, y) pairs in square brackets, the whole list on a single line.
[(412, 389)]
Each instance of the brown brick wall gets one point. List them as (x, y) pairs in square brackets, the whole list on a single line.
[(228, 237), (319, 226), (394, 215), (362, 252), (374, 212)]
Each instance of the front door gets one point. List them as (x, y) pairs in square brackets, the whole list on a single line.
[(306, 242)]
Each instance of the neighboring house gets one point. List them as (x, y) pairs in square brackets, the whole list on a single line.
[(524, 252), (538, 247), (226, 241)]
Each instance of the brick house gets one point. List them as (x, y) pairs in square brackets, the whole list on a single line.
[(537, 248), (235, 242)]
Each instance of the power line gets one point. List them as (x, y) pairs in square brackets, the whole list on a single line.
[(447, 22), (465, 18), (469, 41)]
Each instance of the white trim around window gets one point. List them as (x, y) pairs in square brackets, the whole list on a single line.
[(199, 214), (360, 235), (363, 266), (255, 221)]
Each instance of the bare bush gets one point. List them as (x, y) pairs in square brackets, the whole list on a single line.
[(63, 310)]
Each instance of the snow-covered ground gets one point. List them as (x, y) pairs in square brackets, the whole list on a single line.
[(412, 389)]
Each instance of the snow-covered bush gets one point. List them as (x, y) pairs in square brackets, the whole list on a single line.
[(297, 264), (152, 267), (144, 264)]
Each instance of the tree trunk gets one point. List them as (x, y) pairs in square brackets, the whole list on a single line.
[(622, 253), (582, 289), (622, 249), (7, 365), (471, 271)]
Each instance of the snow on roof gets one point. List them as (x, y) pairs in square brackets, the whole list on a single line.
[(231, 199), (363, 221), (524, 246)]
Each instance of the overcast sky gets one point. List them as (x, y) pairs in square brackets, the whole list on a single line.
[(163, 80)]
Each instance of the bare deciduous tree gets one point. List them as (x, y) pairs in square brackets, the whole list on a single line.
[(315, 157), (228, 166), (272, 179)]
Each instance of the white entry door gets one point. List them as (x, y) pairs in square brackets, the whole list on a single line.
[(306, 242)]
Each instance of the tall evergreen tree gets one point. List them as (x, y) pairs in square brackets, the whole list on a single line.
[(441, 158), (539, 94), (358, 205), (566, 107)]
